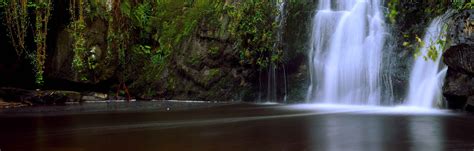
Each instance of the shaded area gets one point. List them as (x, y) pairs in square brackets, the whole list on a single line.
[(238, 127)]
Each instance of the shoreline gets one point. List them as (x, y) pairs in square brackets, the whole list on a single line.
[(112, 106)]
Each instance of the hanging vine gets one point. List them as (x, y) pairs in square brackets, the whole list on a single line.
[(118, 34), (43, 13), (16, 20), (77, 27)]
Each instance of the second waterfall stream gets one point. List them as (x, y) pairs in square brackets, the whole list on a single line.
[(428, 74)]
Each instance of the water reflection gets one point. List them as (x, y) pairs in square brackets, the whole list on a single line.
[(371, 130), (348, 133), (426, 134), (249, 127)]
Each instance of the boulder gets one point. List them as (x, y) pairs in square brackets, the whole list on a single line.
[(94, 96), (469, 104), (38, 97), (460, 58), (458, 87), (462, 28)]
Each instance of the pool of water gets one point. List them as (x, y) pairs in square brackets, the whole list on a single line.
[(237, 127)]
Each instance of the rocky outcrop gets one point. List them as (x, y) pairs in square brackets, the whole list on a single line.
[(96, 42), (458, 88), (15, 97), (460, 58), (204, 66)]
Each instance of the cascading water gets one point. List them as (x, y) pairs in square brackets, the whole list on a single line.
[(272, 72), (346, 52), (427, 75)]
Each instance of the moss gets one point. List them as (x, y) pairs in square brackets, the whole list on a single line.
[(210, 75), (195, 60), (214, 51), (214, 72)]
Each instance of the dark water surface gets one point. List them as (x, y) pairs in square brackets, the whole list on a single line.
[(239, 127)]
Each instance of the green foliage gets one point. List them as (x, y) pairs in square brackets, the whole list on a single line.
[(462, 4), (3, 3), (253, 28), (212, 73), (42, 12), (82, 60), (149, 32), (457, 4), (421, 44), (469, 5), (141, 15), (436, 45), (393, 12), (214, 51), (17, 21), (79, 47), (195, 60)]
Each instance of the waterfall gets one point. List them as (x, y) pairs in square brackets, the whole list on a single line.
[(345, 55), (273, 70), (427, 75)]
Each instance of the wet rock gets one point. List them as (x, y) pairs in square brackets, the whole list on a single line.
[(60, 66), (462, 28), (460, 58), (94, 96), (458, 84), (38, 97), (458, 87), (6, 105), (469, 104)]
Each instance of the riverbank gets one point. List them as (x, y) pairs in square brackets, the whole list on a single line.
[(112, 106), (21, 101)]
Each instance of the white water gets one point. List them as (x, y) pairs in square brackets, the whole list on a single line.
[(427, 76), (346, 52)]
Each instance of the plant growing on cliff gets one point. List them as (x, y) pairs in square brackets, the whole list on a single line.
[(462, 4), (17, 22), (77, 28), (393, 12), (3, 3), (434, 47), (253, 29), (43, 13)]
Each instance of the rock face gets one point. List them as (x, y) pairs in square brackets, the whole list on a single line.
[(459, 84), (460, 58), (96, 41), (206, 67)]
